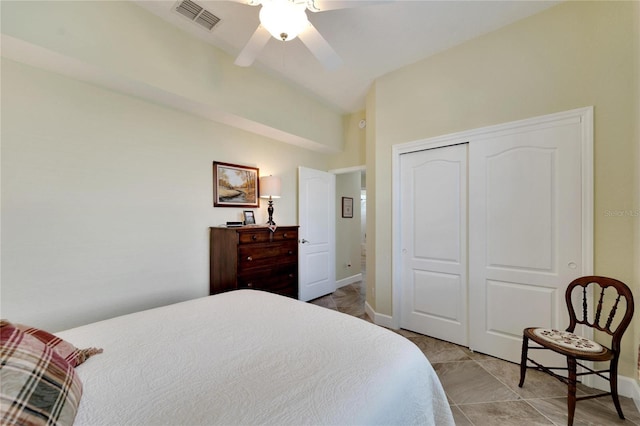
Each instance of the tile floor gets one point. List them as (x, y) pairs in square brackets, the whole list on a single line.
[(484, 390)]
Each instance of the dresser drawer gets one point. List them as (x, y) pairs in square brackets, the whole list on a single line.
[(276, 279), (266, 236), (257, 255)]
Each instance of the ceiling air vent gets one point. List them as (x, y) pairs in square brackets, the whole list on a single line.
[(197, 14)]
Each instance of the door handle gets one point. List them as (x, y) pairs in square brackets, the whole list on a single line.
[(303, 241)]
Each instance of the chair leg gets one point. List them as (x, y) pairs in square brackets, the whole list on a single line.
[(523, 359), (613, 381), (571, 395)]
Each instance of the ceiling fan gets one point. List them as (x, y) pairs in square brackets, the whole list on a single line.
[(286, 20)]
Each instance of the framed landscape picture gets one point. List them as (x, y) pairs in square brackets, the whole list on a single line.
[(235, 185)]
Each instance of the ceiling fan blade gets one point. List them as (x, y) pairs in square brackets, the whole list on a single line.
[(320, 48), (247, 2), (255, 44), (323, 5)]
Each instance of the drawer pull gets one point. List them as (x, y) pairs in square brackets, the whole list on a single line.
[(291, 275), (254, 237), (284, 235), (290, 252), (249, 285), (249, 258)]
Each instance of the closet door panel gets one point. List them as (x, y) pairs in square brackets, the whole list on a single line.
[(434, 242), (525, 232)]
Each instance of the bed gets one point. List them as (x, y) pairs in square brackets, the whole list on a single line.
[(251, 357)]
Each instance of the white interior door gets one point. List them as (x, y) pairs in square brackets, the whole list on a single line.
[(525, 227), (316, 217), (434, 242)]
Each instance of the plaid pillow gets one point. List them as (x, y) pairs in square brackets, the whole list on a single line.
[(66, 350), (38, 386)]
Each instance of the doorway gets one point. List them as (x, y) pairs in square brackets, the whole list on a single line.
[(350, 187)]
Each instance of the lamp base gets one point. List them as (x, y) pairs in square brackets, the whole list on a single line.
[(270, 211)]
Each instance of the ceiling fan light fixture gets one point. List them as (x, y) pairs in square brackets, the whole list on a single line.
[(284, 19)]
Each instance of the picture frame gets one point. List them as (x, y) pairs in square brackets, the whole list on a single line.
[(235, 185), (249, 217), (347, 207)]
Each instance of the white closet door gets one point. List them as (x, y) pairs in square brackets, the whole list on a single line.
[(434, 242), (525, 239)]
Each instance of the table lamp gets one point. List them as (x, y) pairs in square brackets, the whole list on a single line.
[(270, 188)]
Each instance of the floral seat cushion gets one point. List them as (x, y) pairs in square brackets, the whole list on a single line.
[(568, 340)]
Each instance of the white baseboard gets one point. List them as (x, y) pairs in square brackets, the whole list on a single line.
[(349, 280), (626, 387), (369, 311), (379, 319)]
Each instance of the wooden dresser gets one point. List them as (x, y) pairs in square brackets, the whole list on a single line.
[(254, 257)]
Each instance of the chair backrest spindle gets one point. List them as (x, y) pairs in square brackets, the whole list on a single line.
[(612, 314), (584, 305), (596, 322)]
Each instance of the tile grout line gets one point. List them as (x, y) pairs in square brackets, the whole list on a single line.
[(520, 397), (541, 413)]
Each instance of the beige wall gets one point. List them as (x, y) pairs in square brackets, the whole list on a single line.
[(574, 55), (353, 153), (107, 199), (636, 113), (371, 225)]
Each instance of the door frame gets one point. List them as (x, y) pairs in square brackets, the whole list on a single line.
[(586, 120)]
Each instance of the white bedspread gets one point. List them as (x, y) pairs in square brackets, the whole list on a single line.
[(249, 357)]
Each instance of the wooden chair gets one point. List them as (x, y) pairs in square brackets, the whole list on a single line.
[(578, 348)]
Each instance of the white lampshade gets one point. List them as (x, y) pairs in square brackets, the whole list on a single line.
[(283, 19), (270, 187)]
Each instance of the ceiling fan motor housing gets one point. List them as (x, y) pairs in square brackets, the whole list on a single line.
[(283, 19)]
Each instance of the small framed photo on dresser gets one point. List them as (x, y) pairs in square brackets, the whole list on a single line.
[(249, 218)]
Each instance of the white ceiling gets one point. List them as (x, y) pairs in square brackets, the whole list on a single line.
[(371, 40)]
